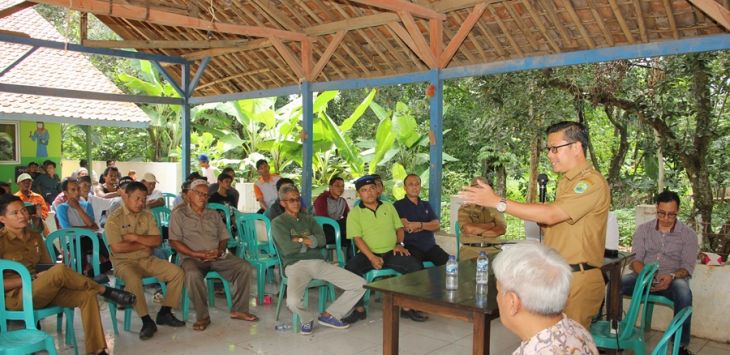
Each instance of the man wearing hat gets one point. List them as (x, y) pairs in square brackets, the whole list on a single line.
[(206, 170), (198, 234), (25, 181), (377, 230), (154, 197)]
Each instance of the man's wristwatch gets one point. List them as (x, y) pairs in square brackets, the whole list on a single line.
[(673, 275), (300, 240), (402, 244), (501, 206)]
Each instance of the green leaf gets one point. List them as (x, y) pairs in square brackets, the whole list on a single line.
[(405, 126), (323, 99), (398, 172), (359, 111), (140, 86), (384, 139)]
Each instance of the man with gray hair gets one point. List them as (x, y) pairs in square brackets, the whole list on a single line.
[(533, 283)]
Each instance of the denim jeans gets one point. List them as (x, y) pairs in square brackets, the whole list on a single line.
[(678, 291)]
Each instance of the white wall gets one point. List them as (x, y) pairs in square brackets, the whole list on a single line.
[(168, 174)]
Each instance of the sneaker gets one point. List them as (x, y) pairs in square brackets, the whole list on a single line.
[(332, 322), (354, 317), (158, 297), (684, 351), (307, 328)]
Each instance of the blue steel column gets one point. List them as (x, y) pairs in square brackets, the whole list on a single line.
[(308, 127), (437, 146), (185, 141)]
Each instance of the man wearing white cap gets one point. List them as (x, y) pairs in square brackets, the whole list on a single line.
[(25, 181), (154, 197)]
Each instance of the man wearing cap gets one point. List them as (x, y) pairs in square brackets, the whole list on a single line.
[(378, 233), (476, 225), (206, 170), (27, 195), (265, 187), (200, 237), (132, 235), (154, 197)]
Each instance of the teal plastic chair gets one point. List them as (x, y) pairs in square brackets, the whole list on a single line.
[(373, 275), (457, 233), (629, 336), (325, 290), (119, 283), (30, 339), (226, 211), (650, 302), (161, 215), (673, 333), (337, 247), (248, 248), (169, 199)]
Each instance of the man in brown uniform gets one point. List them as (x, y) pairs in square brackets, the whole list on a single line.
[(575, 224), (199, 235), (133, 234), (478, 224)]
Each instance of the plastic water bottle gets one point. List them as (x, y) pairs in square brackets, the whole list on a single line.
[(452, 273), (282, 327), (482, 276)]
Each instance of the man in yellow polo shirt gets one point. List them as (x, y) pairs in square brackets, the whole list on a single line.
[(575, 224), (378, 233)]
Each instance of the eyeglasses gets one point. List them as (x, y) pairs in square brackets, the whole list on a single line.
[(554, 149), (662, 214), (199, 193), (293, 200)]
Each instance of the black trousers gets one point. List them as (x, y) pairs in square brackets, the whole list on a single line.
[(436, 255), (359, 264)]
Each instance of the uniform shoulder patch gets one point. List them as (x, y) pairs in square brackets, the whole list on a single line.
[(581, 187)]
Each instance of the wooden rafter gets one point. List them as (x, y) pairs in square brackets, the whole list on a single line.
[(551, 13), (540, 25), (599, 21), (670, 18), (325, 58), (456, 41), (179, 44), (15, 8), (578, 23), (505, 31), (403, 6), (160, 17), (640, 21), (423, 48), (436, 33), (521, 25), (288, 57), (621, 21), (715, 11)]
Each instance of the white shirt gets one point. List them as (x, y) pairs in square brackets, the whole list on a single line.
[(209, 173)]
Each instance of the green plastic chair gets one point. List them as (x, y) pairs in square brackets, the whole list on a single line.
[(325, 290), (457, 233), (30, 339), (226, 212), (673, 333), (337, 247), (650, 302), (119, 283), (161, 215), (373, 275), (169, 199), (248, 248), (629, 336)]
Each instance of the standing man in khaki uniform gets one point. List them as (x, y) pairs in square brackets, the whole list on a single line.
[(133, 234), (575, 224)]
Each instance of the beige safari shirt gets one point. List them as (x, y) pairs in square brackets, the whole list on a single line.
[(123, 221), (584, 195), (470, 213)]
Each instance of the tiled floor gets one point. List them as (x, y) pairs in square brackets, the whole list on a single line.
[(225, 336)]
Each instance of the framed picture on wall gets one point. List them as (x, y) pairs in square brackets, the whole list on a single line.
[(9, 143)]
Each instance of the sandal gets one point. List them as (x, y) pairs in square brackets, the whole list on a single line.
[(202, 324), (244, 316)]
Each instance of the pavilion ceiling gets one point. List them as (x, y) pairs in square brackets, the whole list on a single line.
[(263, 44)]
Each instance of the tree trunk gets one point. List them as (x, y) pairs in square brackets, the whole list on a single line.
[(619, 155), (660, 164), (579, 108), (535, 148)]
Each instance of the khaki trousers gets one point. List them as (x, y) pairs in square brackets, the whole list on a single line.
[(61, 286), (235, 270), (586, 295), (467, 252), (132, 272)]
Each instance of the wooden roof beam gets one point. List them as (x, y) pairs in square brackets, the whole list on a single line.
[(404, 6), (164, 18), (289, 57), (464, 30), (182, 44), (424, 50), (15, 8), (325, 58), (715, 11)]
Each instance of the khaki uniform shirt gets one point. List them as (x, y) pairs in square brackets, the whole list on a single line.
[(198, 232), (469, 213), (584, 195), (123, 221), (29, 252)]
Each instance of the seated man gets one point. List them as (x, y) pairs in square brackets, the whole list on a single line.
[(419, 222), (133, 234), (199, 235), (265, 186), (108, 188), (533, 282), (47, 184), (40, 207), (75, 212), (478, 223), (301, 244), (59, 285), (378, 234), (331, 204), (275, 210), (154, 197), (231, 189), (223, 193), (674, 245)]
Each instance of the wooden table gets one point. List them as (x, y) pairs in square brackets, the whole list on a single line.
[(425, 290)]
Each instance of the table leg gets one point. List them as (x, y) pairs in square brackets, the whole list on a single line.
[(391, 316), (613, 307), (480, 342)]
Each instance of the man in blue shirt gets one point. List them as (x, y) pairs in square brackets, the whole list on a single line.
[(419, 222), (75, 212)]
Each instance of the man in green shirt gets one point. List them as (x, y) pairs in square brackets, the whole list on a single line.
[(301, 243)]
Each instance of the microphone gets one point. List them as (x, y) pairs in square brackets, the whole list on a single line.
[(542, 180)]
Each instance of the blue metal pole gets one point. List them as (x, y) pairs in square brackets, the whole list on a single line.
[(308, 127), (437, 144), (185, 141)]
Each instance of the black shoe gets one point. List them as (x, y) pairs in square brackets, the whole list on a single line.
[(414, 315), (684, 351), (119, 296), (169, 319), (147, 331), (354, 317)]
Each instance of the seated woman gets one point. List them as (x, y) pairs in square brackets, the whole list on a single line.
[(59, 285)]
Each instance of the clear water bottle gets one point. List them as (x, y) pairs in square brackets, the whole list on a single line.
[(282, 327), (452, 273), (482, 276)]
